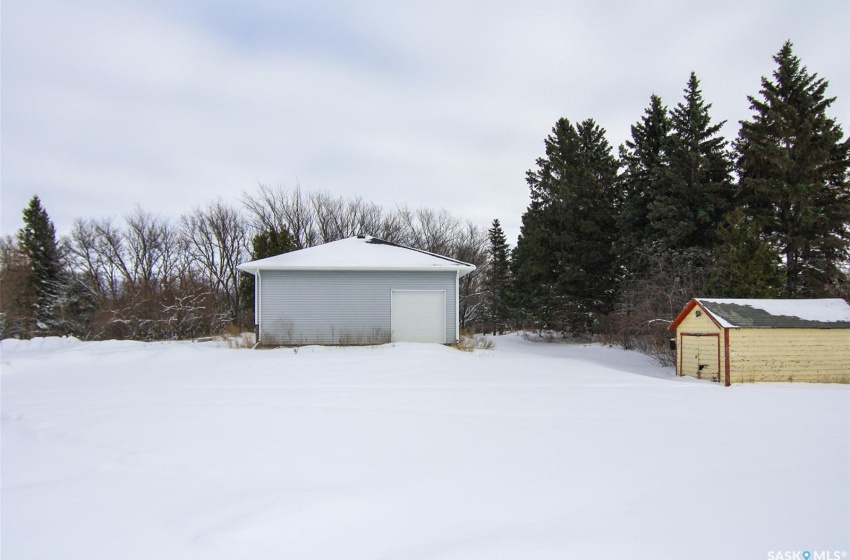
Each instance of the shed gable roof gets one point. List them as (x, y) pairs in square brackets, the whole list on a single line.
[(358, 253), (773, 313)]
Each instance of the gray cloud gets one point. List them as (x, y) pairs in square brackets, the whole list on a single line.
[(442, 104)]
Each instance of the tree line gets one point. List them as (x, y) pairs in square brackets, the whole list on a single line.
[(611, 245), (148, 278), (616, 246)]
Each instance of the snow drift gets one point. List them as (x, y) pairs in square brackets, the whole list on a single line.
[(178, 450)]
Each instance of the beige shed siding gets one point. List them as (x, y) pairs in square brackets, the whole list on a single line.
[(689, 347), (815, 355), (701, 324), (752, 354), (700, 356)]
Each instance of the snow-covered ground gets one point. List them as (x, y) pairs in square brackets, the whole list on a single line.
[(127, 450)]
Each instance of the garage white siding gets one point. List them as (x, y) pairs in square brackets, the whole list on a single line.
[(343, 307), (418, 316)]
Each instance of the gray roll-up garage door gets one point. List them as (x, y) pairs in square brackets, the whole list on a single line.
[(419, 316)]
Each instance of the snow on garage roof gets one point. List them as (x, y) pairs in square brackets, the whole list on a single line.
[(774, 313), (358, 253)]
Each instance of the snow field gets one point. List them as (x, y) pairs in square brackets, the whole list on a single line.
[(179, 450)]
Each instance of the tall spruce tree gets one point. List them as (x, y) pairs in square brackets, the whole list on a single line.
[(747, 266), (37, 241), (687, 212), (646, 176), (793, 168), (564, 263), (497, 280)]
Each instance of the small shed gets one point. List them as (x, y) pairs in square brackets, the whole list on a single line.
[(359, 290), (745, 340)]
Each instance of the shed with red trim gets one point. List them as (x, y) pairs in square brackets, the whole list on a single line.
[(746, 340)]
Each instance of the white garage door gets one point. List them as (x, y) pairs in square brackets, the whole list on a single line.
[(419, 316)]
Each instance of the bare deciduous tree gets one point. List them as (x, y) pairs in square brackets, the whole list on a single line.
[(152, 247), (142, 278), (216, 239), (648, 302), (471, 246), (278, 209), (16, 299)]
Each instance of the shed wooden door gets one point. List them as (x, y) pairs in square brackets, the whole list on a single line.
[(701, 356), (418, 316)]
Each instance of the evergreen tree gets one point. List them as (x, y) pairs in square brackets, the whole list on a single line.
[(793, 167), (689, 208), (646, 176), (747, 266), (37, 241), (267, 243), (497, 279), (676, 182), (533, 268), (564, 263), (270, 243)]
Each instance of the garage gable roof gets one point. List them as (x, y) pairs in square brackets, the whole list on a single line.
[(831, 313), (359, 253)]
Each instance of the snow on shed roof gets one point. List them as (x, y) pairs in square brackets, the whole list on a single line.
[(358, 253), (774, 313)]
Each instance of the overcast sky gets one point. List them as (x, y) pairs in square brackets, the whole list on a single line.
[(172, 104)]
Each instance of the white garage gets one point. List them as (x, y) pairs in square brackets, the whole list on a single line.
[(359, 290)]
